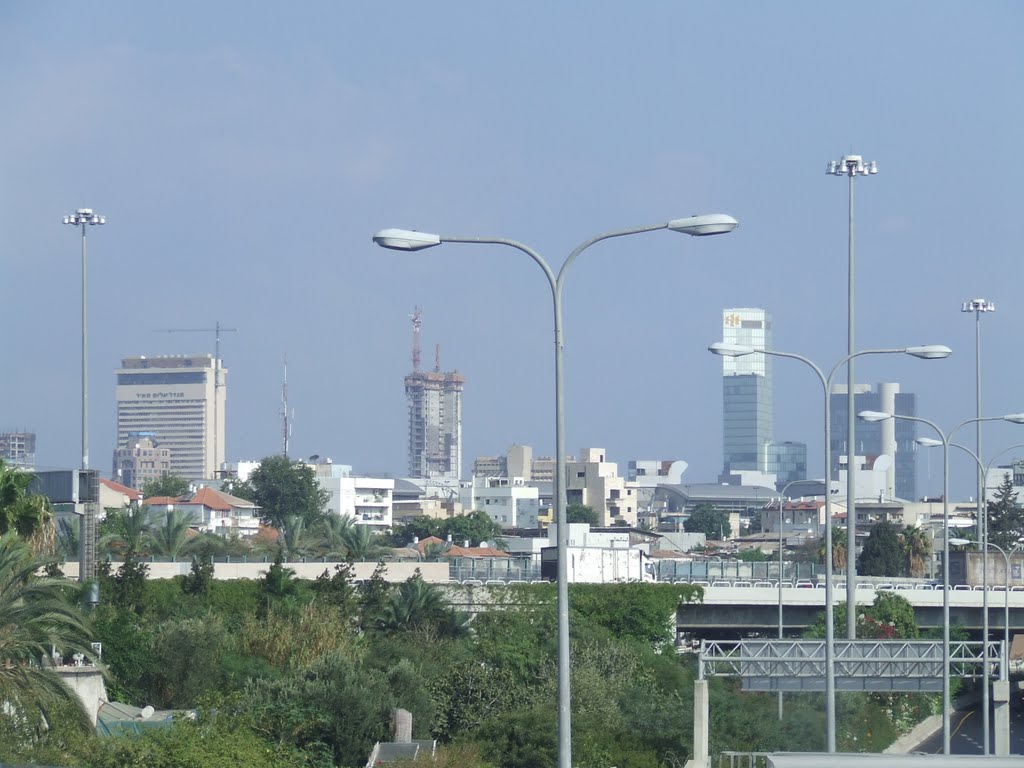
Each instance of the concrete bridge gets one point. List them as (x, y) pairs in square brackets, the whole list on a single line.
[(748, 607)]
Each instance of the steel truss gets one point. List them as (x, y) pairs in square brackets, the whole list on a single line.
[(860, 665)]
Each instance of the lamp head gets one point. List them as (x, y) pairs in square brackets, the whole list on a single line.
[(955, 542), (873, 416), (929, 351), (725, 349), (707, 224), (928, 442), (405, 239), (1014, 418)]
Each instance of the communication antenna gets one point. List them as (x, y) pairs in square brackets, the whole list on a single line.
[(417, 322), (216, 331), (437, 358), (286, 416)]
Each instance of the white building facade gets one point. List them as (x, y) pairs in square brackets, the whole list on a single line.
[(595, 483), (509, 502), (177, 402)]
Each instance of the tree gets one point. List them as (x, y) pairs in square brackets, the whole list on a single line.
[(883, 553), (838, 549), (287, 491), (166, 485), (707, 520), (361, 544), (580, 513), (126, 531), (35, 616), (30, 515), (1005, 517), (475, 527), (917, 550), (169, 538), (418, 605)]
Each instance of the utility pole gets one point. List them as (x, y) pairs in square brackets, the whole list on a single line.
[(216, 331), (286, 417)]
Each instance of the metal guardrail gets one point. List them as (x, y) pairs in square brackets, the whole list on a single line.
[(742, 760)]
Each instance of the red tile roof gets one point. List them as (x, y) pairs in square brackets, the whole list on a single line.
[(131, 493), (211, 499), (161, 501)]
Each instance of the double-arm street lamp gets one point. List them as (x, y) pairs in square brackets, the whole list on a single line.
[(410, 240), (929, 352), (945, 438)]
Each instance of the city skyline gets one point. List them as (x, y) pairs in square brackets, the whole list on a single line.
[(244, 163)]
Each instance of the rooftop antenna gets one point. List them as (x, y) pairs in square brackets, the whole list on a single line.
[(216, 331), (286, 416), (437, 358), (416, 323)]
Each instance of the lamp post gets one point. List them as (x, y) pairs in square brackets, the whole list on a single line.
[(945, 437), (409, 240), (83, 218), (850, 166), (930, 352), (782, 500), (982, 526)]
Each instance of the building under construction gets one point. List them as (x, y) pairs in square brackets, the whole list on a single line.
[(435, 416)]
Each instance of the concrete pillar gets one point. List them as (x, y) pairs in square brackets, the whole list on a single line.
[(1001, 704), (701, 725)]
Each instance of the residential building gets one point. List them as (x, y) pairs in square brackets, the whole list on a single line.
[(178, 402), (18, 449), (595, 483), (117, 496), (509, 502), (519, 461), (366, 500), (211, 511), (435, 424), (893, 438), (140, 461)]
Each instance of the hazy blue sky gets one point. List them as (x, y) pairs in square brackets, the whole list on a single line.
[(245, 152)]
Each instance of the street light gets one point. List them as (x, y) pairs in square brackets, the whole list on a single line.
[(983, 531), (850, 166), (411, 240), (928, 352), (1015, 418), (782, 500), (85, 217)]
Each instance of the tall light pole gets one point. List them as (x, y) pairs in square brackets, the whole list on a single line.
[(850, 166), (409, 240), (83, 218), (979, 307), (945, 437), (930, 352), (982, 526)]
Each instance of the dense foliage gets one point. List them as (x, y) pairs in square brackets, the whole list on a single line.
[(288, 672), (711, 522), (1005, 516)]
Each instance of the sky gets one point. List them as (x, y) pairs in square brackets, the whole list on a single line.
[(244, 153)]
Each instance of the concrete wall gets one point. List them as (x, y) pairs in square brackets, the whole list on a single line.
[(88, 683)]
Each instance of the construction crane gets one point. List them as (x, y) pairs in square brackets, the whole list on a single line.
[(217, 330)]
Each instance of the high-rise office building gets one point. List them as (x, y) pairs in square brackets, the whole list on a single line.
[(178, 403), (747, 398), (891, 437)]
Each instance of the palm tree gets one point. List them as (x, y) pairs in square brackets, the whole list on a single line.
[(418, 605), (30, 515), (130, 534), (170, 538), (332, 530), (838, 549), (917, 549), (35, 616), (361, 544)]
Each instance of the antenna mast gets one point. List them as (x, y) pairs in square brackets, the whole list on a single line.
[(286, 417), (416, 323), (216, 331)]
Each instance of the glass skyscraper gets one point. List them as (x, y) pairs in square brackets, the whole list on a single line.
[(748, 403)]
